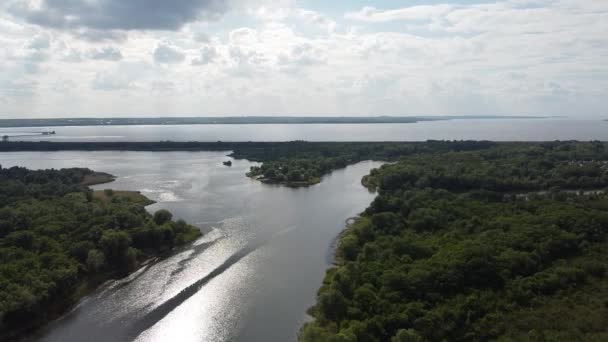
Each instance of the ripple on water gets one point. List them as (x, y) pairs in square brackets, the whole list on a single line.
[(162, 195)]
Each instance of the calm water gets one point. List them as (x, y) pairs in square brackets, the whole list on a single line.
[(494, 129), (251, 278)]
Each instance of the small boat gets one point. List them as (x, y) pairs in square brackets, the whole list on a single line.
[(227, 163)]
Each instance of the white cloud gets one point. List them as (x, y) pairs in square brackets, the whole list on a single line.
[(302, 55), (71, 56), (243, 36), (108, 53), (165, 54), (507, 57), (207, 55), (201, 37), (40, 42), (108, 81), (414, 13)]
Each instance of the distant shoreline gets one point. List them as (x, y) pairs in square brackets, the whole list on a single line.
[(241, 120)]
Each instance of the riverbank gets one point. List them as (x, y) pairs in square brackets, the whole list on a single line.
[(293, 164), (282, 182), (50, 264), (97, 178), (447, 251)]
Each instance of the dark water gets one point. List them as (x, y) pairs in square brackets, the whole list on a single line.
[(250, 279), (488, 129)]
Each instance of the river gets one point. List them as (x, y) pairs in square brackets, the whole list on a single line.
[(460, 129), (251, 277)]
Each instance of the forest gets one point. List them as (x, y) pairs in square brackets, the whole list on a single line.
[(504, 243), (465, 241), (59, 240)]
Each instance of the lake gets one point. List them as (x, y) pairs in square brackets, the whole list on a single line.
[(473, 129), (250, 278)]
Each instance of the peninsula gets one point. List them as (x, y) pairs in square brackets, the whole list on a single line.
[(59, 240)]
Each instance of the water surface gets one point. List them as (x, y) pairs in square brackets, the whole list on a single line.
[(251, 278), (474, 129)]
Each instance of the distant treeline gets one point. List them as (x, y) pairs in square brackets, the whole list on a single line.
[(257, 151), (296, 163), (235, 120)]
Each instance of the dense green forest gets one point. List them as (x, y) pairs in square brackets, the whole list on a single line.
[(502, 243), (59, 240), (466, 241)]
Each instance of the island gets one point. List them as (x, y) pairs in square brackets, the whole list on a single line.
[(59, 240)]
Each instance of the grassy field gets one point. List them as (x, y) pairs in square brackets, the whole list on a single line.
[(97, 178)]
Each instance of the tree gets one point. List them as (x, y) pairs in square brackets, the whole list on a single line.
[(407, 335), (115, 245), (95, 260), (332, 305), (348, 247), (387, 222), (162, 216), (127, 220)]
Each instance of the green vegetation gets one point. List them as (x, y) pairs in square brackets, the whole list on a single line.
[(465, 241), (296, 163), (59, 240), (301, 163), (475, 246)]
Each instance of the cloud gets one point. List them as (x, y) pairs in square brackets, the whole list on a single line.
[(245, 62), (107, 81), (14, 86), (107, 53), (242, 57), (244, 35), (36, 56), (117, 14), (279, 12), (302, 55), (201, 37), (97, 36), (64, 85), (317, 19), (207, 55), (40, 42), (165, 54), (162, 86), (413, 13), (71, 56), (499, 57)]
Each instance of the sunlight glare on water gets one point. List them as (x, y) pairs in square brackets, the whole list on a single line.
[(250, 278)]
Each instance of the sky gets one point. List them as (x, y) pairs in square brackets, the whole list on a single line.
[(143, 58)]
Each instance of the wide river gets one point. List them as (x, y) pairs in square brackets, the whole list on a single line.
[(250, 278), (470, 129)]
